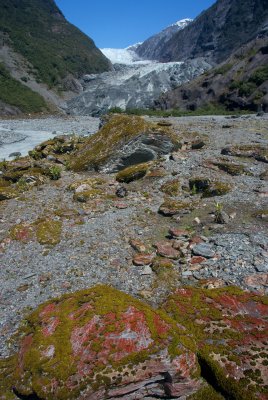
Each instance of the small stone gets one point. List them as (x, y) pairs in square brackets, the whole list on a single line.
[(121, 206), (176, 233), (196, 240), (179, 244), (203, 250), (143, 259), (197, 221), (137, 245), (185, 274), (165, 249), (197, 259), (147, 270), (212, 283), (121, 192), (222, 217), (262, 268), (198, 144), (256, 280)]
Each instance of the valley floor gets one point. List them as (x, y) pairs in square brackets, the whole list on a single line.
[(94, 238)]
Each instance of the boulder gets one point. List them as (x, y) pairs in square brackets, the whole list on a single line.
[(122, 142), (100, 344)]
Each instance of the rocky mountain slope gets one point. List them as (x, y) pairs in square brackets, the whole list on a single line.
[(149, 49), (122, 280), (43, 51), (241, 82), (216, 33)]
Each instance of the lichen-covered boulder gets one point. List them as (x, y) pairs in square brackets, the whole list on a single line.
[(231, 330), (124, 141), (101, 344)]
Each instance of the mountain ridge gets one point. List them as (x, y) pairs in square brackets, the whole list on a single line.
[(216, 32)]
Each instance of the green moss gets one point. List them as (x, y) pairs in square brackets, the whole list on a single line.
[(133, 173), (206, 393), (48, 232), (172, 207), (87, 195), (171, 188), (118, 131), (230, 168), (234, 389), (217, 189), (7, 193)]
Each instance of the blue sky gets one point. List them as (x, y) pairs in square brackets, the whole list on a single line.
[(120, 23)]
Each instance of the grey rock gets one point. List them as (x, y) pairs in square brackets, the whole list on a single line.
[(222, 218), (203, 250), (121, 192)]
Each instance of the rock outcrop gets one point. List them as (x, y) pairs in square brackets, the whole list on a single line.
[(124, 141)]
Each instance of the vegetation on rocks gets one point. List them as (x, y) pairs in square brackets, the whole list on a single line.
[(171, 188), (72, 338), (132, 173), (115, 134)]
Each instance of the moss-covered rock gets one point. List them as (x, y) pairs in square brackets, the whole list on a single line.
[(7, 193), (217, 188), (258, 152), (48, 231), (172, 207), (230, 327), (87, 195), (231, 168), (209, 188), (97, 344), (124, 141), (171, 188), (132, 173)]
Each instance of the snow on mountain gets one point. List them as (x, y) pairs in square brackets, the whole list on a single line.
[(120, 56), (182, 23)]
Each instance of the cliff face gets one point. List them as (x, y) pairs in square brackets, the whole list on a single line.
[(39, 46), (217, 32)]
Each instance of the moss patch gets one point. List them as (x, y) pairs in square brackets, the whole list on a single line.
[(133, 173), (48, 232), (171, 188)]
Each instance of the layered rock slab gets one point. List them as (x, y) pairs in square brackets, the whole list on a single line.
[(98, 344), (124, 141), (231, 330)]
